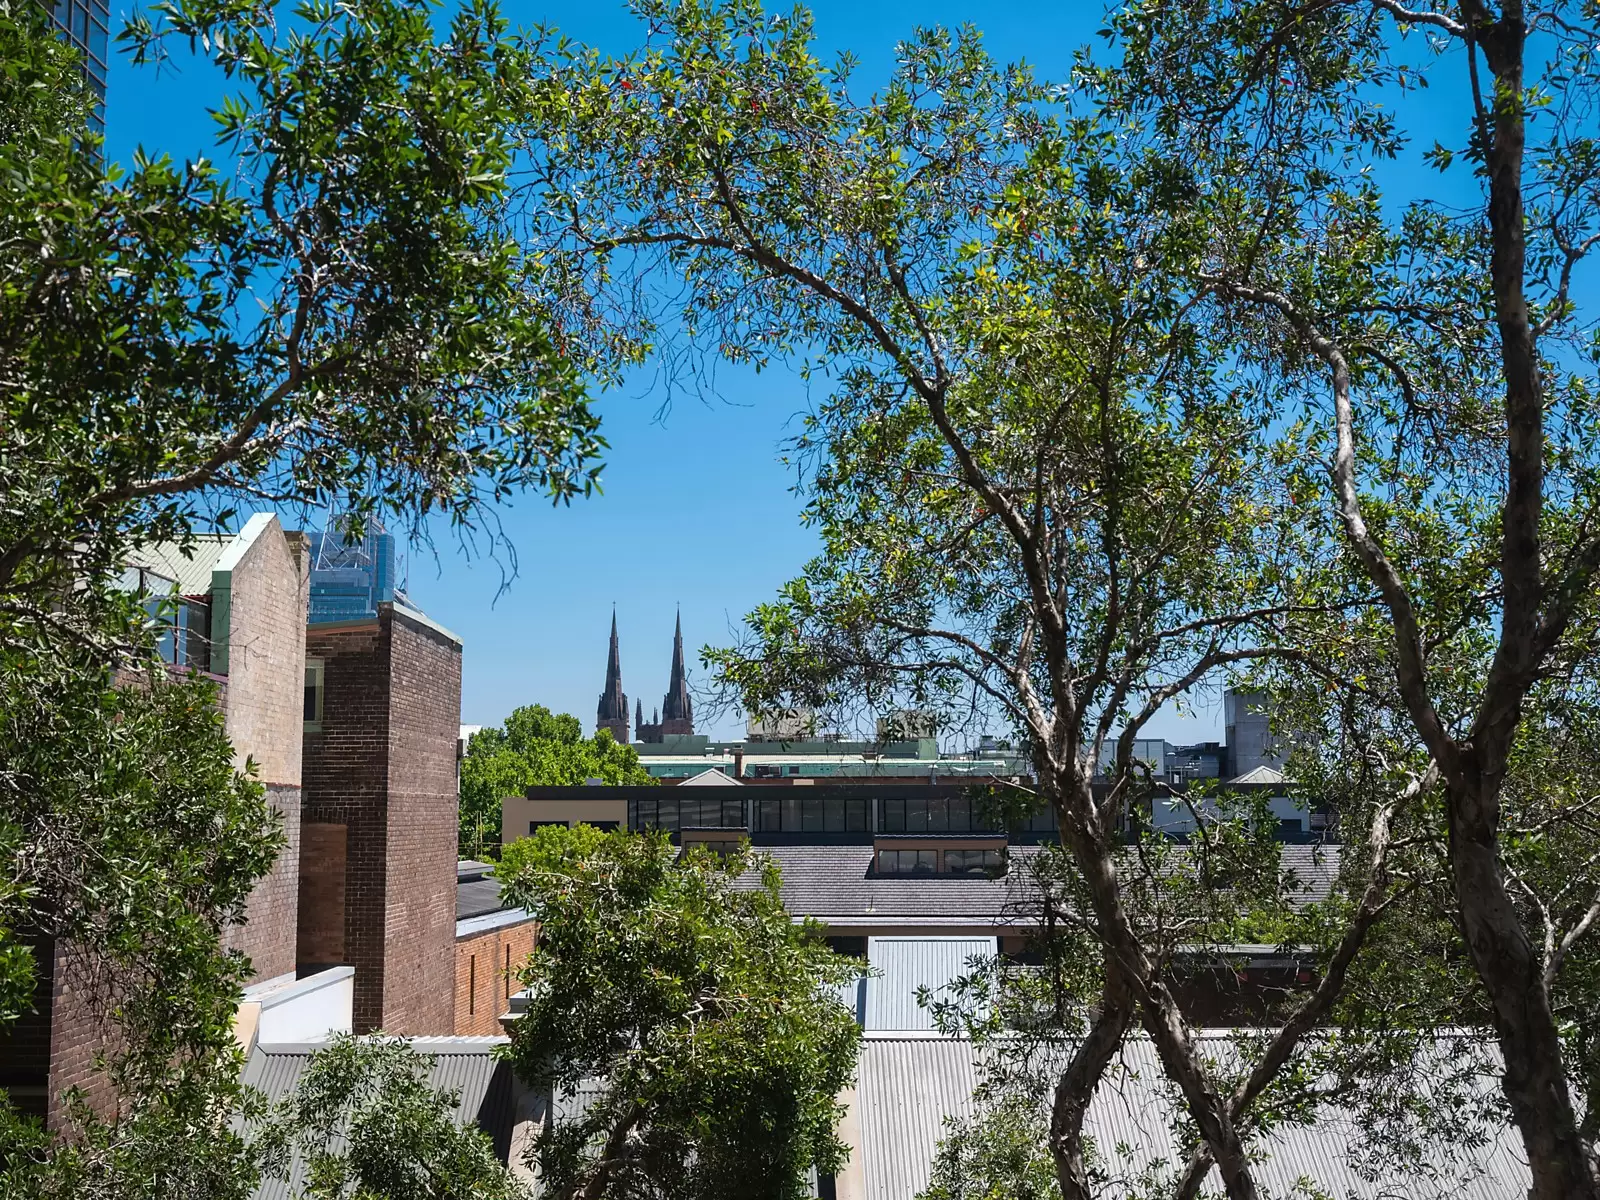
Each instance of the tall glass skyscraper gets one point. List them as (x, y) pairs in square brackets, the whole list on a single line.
[(85, 24)]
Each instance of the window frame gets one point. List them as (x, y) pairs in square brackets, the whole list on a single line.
[(317, 684)]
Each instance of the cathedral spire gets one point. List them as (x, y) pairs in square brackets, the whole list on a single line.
[(677, 708), (612, 712)]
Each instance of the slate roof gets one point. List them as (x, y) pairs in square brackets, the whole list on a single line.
[(475, 897), (910, 1084), (465, 1065), (837, 884)]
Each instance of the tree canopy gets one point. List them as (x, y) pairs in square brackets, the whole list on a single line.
[(706, 1021), (534, 748)]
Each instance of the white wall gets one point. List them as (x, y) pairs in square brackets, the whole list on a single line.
[(305, 1010)]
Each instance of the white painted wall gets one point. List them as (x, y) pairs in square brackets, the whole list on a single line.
[(305, 1010)]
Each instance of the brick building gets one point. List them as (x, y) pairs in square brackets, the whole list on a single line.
[(234, 611), (382, 711), (492, 942)]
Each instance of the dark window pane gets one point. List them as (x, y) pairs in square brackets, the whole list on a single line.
[(767, 818), (927, 861), (938, 815), (791, 814), (856, 816), (833, 814), (894, 816), (733, 813), (811, 815)]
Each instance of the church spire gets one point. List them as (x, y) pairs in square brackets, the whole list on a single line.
[(677, 708), (612, 712)]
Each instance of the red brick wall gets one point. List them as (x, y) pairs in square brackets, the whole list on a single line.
[(322, 867), (383, 766), (483, 991), (424, 726)]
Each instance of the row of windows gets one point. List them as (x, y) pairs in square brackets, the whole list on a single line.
[(813, 814), (936, 814), (941, 862), (829, 814), (672, 813)]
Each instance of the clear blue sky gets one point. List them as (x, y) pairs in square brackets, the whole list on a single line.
[(696, 509)]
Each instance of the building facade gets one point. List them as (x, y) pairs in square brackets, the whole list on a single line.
[(382, 712), (84, 24)]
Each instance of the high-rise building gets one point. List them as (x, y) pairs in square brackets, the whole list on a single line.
[(351, 576), (84, 24)]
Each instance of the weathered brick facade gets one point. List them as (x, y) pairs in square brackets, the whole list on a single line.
[(267, 581), (486, 966), (256, 586), (382, 766)]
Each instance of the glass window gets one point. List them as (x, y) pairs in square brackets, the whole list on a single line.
[(973, 862), (833, 814), (811, 816), (733, 813), (768, 819), (907, 862), (314, 694), (894, 816), (791, 814), (856, 816)]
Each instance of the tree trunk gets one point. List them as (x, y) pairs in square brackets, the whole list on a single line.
[(1535, 1078), (1160, 1013), (1076, 1086)]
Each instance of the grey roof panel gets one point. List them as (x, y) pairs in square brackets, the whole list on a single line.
[(910, 1085), (832, 882), (902, 965), (468, 1066), (192, 572)]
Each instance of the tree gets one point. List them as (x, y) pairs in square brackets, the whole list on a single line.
[(131, 845), (337, 318), (367, 1123), (535, 748), (1044, 495), (1444, 354), (705, 1020), (340, 319)]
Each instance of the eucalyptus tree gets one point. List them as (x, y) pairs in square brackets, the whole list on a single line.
[(1440, 339), (1044, 494)]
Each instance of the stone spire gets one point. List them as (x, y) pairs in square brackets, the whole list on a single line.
[(612, 713), (677, 708)]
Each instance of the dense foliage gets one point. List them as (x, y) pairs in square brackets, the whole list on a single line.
[(364, 1122), (533, 748), (336, 317), (704, 1024)]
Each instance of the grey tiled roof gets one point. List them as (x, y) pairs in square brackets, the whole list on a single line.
[(477, 897), (464, 1065), (910, 1084), (829, 882)]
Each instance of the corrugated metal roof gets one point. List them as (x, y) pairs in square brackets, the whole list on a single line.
[(910, 1086), (902, 965), (466, 1065), (193, 574)]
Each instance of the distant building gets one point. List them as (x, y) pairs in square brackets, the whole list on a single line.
[(675, 717), (612, 712), (352, 576), (84, 25)]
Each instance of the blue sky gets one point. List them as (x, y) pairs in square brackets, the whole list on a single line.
[(697, 511)]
